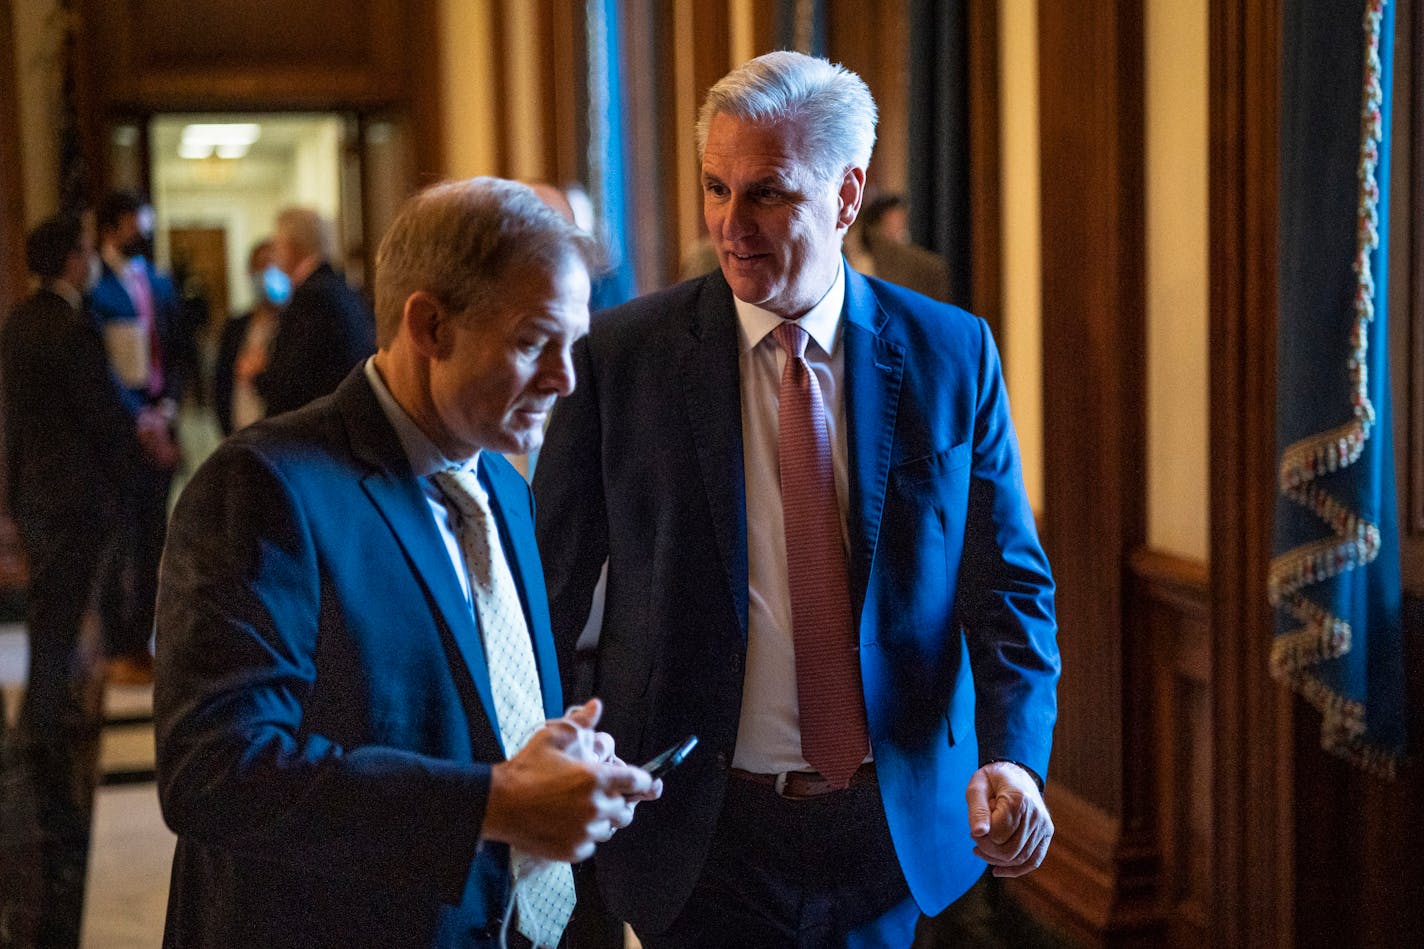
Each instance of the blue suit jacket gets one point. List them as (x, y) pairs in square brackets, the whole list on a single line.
[(643, 465), (109, 302), (323, 711)]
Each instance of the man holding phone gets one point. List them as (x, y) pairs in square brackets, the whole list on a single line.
[(361, 737)]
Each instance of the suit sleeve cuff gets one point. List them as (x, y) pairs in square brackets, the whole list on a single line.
[(1031, 773)]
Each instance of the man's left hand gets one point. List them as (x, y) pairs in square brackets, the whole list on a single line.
[(1008, 819)]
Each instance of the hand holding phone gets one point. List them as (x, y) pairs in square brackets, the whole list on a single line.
[(671, 758)]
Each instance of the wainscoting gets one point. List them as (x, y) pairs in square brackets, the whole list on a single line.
[(1146, 881)]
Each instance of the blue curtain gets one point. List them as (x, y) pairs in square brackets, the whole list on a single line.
[(606, 159), (1334, 579)]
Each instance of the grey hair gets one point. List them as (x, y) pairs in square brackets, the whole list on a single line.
[(828, 104), (307, 231), (459, 240)]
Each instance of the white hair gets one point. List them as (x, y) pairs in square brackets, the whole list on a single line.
[(828, 104)]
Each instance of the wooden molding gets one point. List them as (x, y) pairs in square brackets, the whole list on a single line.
[(1103, 884), (986, 297), (1183, 583), (428, 148), (1093, 380), (1406, 286), (12, 185), (1098, 885), (1251, 762)]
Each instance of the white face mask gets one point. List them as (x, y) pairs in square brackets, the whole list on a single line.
[(96, 270)]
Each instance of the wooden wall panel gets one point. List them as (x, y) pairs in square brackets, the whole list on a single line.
[(986, 297), (207, 54), (1251, 766), (652, 152), (1172, 611), (1108, 883), (1406, 285), (1093, 336), (1091, 115), (12, 185), (876, 52), (565, 79), (13, 278)]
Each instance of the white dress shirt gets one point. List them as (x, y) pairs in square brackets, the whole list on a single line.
[(425, 460), (769, 733)]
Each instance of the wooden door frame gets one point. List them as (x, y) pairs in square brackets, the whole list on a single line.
[(1252, 762)]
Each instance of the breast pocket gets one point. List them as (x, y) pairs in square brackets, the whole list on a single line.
[(929, 473)]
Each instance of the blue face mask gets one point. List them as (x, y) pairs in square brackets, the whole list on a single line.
[(274, 285)]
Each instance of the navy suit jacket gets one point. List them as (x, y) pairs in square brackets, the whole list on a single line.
[(324, 330), (70, 442), (322, 710), (643, 465)]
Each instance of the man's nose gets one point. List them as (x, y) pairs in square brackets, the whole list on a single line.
[(559, 375), (738, 221)]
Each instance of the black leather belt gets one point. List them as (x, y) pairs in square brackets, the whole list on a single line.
[(800, 785)]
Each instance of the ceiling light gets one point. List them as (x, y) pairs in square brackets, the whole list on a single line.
[(227, 139)]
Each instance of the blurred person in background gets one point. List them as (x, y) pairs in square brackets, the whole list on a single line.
[(324, 330), (246, 342), (70, 445), (137, 312), (880, 246)]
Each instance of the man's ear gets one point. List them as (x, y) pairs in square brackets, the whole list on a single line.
[(851, 192), (428, 325)]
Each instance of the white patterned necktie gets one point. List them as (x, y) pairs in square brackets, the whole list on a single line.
[(544, 890)]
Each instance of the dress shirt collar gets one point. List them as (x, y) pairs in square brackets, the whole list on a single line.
[(425, 459), (822, 322), (116, 260)]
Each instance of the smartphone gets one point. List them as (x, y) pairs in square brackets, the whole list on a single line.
[(671, 758)]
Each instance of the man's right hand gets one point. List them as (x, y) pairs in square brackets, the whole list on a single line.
[(155, 437), (551, 801)]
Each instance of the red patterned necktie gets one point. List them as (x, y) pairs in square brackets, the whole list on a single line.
[(834, 738)]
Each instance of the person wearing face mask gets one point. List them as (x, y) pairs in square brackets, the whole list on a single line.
[(69, 444), (326, 327), (246, 343), (137, 311)]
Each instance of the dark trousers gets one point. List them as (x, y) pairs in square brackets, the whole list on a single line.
[(50, 759), (787, 874), (130, 584), (67, 553)]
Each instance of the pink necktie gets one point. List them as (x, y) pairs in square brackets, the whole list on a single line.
[(142, 295), (834, 738)]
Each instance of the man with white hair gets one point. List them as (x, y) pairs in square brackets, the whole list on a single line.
[(324, 330), (361, 736), (821, 560)]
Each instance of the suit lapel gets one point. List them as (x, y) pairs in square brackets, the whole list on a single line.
[(712, 388), (873, 370), (401, 503)]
